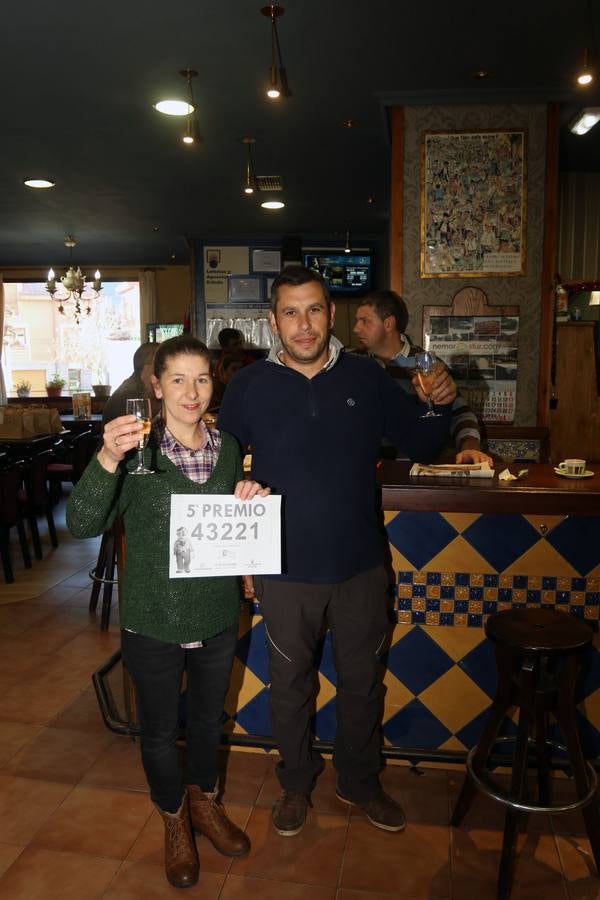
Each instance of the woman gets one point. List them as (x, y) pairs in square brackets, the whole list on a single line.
[(172, 625)]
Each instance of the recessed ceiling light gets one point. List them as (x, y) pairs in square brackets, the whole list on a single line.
[(349, 123), (272, 204), (174, 107), (39, 183), (481, 74)]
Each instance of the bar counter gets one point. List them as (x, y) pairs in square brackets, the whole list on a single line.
[(540, 491), (462, 549)]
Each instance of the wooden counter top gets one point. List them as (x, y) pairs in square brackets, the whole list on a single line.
[(540, 492)]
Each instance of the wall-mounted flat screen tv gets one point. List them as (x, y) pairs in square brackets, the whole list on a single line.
[(345, 273)]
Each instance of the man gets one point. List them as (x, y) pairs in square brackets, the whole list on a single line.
[(381, 321), (314, 417), (137, 385), (231, 341)]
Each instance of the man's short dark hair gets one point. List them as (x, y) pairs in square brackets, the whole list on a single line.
[(226, 335), (294, 276), (388, 303), (143, 356)]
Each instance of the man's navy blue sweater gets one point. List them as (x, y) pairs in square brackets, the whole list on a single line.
[(315, 442)]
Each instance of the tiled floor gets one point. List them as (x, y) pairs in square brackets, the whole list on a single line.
[(76, 822)]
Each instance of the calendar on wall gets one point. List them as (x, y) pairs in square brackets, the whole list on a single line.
[(480, 350), (481, 353)]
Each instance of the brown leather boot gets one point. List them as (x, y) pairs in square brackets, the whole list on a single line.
[(209, 818), (181, 857)]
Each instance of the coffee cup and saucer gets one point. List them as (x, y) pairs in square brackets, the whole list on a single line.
[(573, 468)]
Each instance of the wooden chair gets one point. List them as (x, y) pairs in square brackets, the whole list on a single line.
[(10, 517), (35, 501), (81, 449)]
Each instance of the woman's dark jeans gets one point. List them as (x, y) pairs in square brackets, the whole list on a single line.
[(156, 669)]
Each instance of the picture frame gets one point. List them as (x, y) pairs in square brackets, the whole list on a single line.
[(242, 288), (473, 203)]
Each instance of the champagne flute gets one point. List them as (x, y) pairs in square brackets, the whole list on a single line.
[(140, 408), (425, 366)]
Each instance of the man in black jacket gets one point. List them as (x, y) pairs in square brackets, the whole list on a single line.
[(314, 418)]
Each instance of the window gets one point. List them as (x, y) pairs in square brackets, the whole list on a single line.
[(38, 341)]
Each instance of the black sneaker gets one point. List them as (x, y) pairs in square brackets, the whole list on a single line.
[(381, 811), (289, 813)]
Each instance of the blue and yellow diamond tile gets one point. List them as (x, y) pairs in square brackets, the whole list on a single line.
[(247, 618), (254, 716), (480, 665), (457, 555), (415, 726), (460, 521), (539, 559), (243, 687), (456, 642), (543, 524), (417, 660), (326, 692), (397, 695), (577, 539), (500, 538), (419, 536), (454, 699)]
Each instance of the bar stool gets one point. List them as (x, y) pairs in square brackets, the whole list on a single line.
[(103, 575), (538, 654)]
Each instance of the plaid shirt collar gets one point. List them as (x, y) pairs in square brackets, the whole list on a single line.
[(169, 442)]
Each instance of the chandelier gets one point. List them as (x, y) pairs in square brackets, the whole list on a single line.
[(76, 293)]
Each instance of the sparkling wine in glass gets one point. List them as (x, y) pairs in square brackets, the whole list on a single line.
[(140, 408), (425, 365)]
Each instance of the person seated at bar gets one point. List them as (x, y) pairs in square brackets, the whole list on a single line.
[(230, 365), (138, 384), (381, 322), (231, 341)]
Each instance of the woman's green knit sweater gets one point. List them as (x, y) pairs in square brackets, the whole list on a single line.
[(175, 610)]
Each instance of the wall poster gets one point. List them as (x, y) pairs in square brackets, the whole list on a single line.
[(219, 264), (473, 203), (481, 352)]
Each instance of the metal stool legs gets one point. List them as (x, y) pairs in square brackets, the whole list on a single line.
[(534, 701), (103, 576)]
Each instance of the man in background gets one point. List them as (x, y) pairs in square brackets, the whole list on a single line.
[(137, 385), (381, 322), (231, 341)]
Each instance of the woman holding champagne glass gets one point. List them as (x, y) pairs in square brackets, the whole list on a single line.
[(172, 624)]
